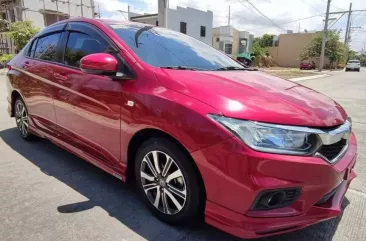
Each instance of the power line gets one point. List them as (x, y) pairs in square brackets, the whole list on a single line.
[(252, 11), (334, 5), (275, 24), (311, 6), (292, 21)]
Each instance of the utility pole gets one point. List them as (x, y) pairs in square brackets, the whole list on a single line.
[(92, 8), (321, 63), (228, 22), (128, 12), (44, 14), (98, 11), (348, 25), (81, 6), (68, 5), (57, 16)]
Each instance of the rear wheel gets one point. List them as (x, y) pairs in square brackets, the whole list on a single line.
[(22, 119), (168, 181)]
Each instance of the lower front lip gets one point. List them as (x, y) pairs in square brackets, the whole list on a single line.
[(234, 175)]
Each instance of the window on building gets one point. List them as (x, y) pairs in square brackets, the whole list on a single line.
[(203, 31), (183, 27), (80, 45), (228, 48), (46, 47), (157, 23), (51, 17)]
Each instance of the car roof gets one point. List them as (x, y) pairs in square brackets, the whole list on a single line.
[(97, 20)]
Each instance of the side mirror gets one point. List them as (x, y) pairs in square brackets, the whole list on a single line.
[(100, 63)]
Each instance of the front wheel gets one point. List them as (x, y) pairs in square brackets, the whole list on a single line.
[(168, 181)]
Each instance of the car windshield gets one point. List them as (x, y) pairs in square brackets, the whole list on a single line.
[(162, 47), (354, 62)]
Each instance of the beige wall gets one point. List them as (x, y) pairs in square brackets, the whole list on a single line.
[(290, 47), (215, 35), (235, 42), (273, 51)]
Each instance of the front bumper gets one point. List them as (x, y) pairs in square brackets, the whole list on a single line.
[(234, 175)]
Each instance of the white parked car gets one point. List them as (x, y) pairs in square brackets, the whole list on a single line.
[(353, 65)]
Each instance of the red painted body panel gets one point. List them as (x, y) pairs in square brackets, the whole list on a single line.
[(102, 61), (96, 117), (256, 96)]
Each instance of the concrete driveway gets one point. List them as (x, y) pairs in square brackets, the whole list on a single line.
[(48, 194)]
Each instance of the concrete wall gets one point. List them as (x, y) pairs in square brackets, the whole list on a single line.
[(37, 17), (194, 19), (290, 47), (215, 36)]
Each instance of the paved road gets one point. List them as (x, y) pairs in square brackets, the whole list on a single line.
[(49, 194)]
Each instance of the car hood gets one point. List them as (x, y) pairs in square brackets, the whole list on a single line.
[(254, 95)]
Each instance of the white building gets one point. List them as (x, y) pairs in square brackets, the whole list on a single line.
[(232, 41), (45, 12), (191, 21)]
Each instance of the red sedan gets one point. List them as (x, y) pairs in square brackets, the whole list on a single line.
[(307, 65), (199, 133)]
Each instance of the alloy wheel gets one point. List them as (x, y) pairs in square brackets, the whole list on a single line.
[(163, 182), (21, 117)]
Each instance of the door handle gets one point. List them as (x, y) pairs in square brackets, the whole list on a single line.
[(60, 77), (26, 64)]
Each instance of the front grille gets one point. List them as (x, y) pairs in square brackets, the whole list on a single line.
[(332, 151)]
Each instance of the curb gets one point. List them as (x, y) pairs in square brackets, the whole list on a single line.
[(309, 77)]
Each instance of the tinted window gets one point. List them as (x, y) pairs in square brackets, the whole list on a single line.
[(32, 49), (354, 62), (46, 47), (163, 47), (80, 45)]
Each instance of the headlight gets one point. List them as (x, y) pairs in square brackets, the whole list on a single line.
[(270, 138)]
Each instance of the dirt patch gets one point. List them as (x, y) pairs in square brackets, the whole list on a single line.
[(290, 74)]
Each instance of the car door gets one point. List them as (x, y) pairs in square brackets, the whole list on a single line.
[(37, 87), (87, 106)]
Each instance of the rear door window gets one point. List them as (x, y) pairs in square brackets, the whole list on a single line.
[(80, 45), (47, 47), (32, 49)]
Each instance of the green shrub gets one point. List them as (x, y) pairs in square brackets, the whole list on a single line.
[(21, 32), (6, 58)]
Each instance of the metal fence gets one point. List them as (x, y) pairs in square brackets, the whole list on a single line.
[(6, 44)]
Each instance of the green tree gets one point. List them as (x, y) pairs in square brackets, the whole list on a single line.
[(267, 40), (334, 49), (363, 60), (21, 32)]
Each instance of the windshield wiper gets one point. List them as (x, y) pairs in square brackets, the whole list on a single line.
[(180, 67), (233, 68)]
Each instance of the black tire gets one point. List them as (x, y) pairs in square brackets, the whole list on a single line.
[(358, 70), (24, 133), (194, 196), (346, 70)]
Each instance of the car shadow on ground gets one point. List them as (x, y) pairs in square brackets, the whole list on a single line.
[(121, 200)]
